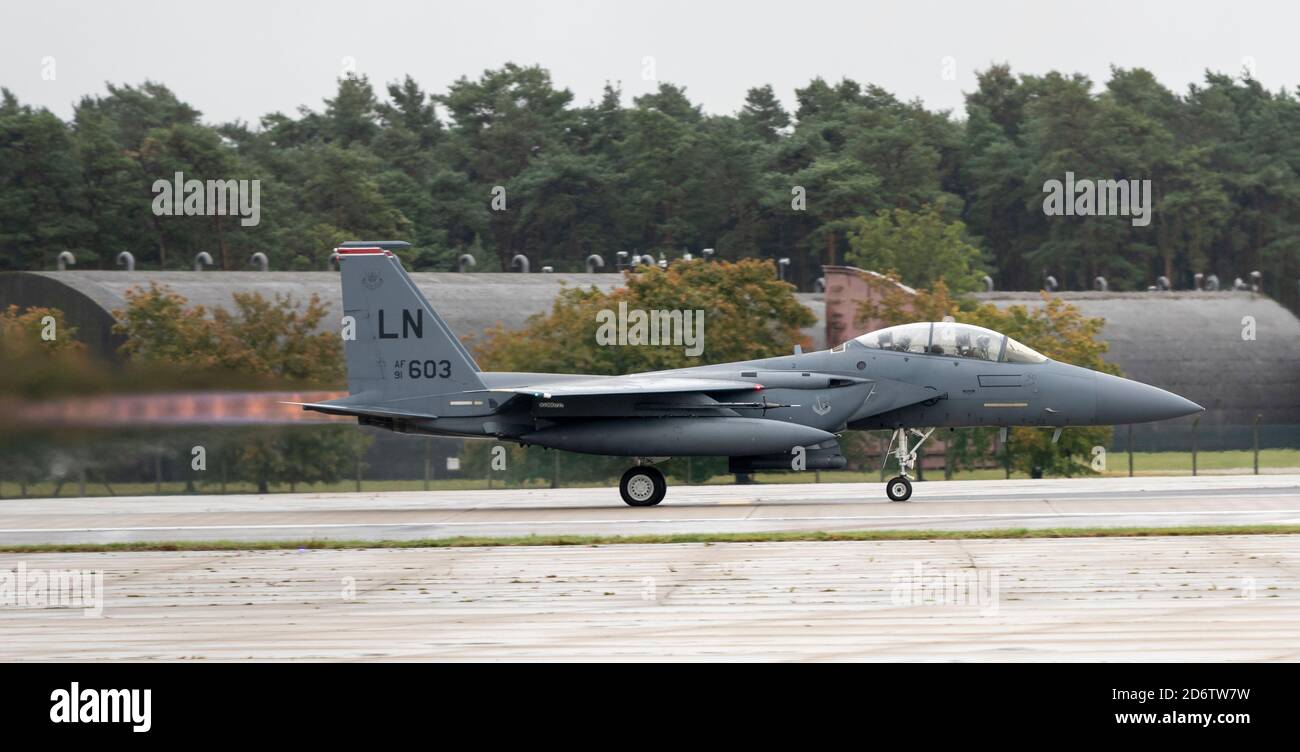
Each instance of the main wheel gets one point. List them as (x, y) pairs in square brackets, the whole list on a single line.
[(643, 486), (899, 489)]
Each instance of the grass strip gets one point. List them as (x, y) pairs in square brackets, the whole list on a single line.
[(616, 540)]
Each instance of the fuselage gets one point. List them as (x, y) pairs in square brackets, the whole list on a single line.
[(849, 387)]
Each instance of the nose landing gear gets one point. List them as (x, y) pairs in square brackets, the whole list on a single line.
[(900, 488)]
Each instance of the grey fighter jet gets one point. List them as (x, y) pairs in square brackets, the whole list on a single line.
[(408, 372)]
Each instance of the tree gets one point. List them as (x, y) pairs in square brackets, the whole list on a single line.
[(658, 159), (277, 340), (113, 191), (27, 332), (565, 208), (197, 153), (41, 353), (671, 100), (297, 455), (41, 201), (659, 175), (917, 247), (748, 314), (135, 111), (500, 123), (352, 115), (411, 109), (763, 116), (160, 327), (340, 187)]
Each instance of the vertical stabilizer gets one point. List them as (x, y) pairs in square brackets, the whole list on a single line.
[(402, 349)]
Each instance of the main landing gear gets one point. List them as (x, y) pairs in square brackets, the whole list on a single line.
[(900, 488), (643, 486)]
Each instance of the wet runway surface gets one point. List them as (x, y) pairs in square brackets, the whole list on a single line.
[(1099, 599), (953, 505)]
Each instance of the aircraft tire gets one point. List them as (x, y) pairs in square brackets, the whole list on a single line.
[(898, 489), (642, 486)]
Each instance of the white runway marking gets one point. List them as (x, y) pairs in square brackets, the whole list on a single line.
[(826, 518)]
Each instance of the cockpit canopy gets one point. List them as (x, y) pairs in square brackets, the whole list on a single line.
[(951, 339)]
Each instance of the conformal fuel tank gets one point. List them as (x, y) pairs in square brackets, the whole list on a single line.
[(678, 437)]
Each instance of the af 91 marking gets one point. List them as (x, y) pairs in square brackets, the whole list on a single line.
[(429, 369)]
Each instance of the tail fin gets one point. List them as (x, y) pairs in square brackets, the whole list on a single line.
[(402, 349)]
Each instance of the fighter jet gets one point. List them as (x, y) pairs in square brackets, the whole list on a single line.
[(407, 372)]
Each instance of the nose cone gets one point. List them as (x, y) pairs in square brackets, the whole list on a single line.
[(1124, 401)]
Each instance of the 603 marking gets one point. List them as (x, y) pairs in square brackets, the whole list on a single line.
[(429, 369)]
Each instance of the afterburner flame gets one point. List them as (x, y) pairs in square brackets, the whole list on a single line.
[(174, 409)]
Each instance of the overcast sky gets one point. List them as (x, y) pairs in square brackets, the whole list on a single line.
[(237, 59)]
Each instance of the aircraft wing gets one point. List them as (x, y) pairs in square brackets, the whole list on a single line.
[(629, 385)]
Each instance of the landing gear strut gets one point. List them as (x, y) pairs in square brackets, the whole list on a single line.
[(900, 488), (643, 486)]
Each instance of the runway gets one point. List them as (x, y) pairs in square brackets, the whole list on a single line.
[(1220, 598), (952, 505)]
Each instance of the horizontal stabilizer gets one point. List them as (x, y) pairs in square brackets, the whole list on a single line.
[(356, 410)]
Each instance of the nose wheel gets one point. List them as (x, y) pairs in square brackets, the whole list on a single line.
[(900, 488), (643, 486)]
